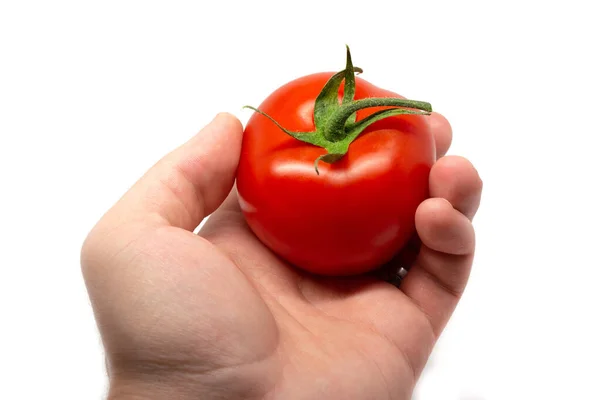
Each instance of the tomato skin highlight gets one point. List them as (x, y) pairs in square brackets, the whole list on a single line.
[(359, 212)]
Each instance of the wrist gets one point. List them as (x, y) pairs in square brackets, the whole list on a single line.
[(171, 382), (157, 390), (185, 387)]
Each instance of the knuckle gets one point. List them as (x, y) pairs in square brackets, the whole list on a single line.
[(89, 254)]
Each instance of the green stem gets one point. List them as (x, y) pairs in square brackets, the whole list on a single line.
[(335, 124), (335, 131)]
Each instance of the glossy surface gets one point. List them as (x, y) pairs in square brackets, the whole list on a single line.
[(359, 211)]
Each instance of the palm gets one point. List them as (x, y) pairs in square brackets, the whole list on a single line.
[(341, 331)]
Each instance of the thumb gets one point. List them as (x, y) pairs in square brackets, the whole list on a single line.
[(187, 184)]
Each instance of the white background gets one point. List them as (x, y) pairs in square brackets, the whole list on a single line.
[(93, 93)]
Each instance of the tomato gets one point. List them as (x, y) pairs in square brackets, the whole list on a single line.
[(357, 211)]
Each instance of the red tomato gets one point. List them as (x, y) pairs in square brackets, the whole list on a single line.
[(358, 212)]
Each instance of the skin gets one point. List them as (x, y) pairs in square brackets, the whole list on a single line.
[(218, 316), (361, 204)]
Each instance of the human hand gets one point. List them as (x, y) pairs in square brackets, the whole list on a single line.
[(218, 315)]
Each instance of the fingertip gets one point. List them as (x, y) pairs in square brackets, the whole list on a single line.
[(442, 132), (455, 179), (228, 119), (458, 166), (432, 208), (443, 228), (225, 129)]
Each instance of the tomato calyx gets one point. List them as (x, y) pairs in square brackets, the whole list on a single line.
[(335, 124)]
